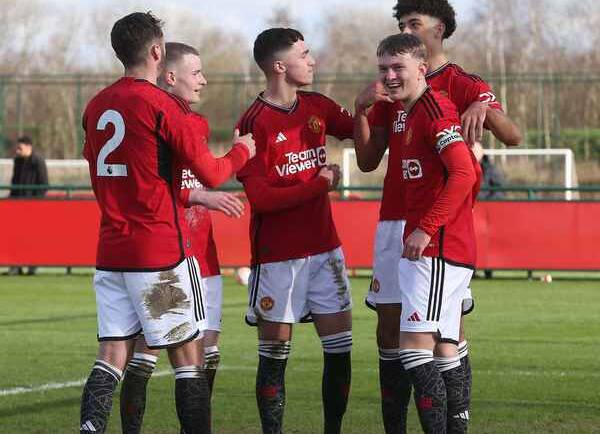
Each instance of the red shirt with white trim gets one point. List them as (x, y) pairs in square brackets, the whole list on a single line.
[(291, 214), (438, 177), (138, 138)]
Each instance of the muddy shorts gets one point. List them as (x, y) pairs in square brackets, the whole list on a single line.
[(168, 306), (290, 291)]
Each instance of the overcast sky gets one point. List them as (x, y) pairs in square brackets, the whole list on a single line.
[(249, 17)]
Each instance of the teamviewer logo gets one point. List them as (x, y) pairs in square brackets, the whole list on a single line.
[(411, 169)]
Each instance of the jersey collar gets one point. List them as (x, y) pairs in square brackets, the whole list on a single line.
[(437, 70), (278, 107)]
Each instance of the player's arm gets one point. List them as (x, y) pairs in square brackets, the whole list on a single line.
[(456, 158), (370, 139), (486, 111), (265, 198), (227, 203)]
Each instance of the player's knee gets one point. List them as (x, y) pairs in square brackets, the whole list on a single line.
[(337, 343), (142, 364), (387, 337), (274, 349)]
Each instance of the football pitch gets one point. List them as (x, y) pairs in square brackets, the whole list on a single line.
[(534, 349)]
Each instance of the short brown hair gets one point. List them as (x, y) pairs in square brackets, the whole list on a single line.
[(271, 41), (25, 140), (131, 36), (402, 43), (176, 50)]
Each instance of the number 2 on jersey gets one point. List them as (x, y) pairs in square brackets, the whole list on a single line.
[(102, 168)]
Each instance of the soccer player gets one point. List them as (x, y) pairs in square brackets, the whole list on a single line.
[(138, 138), (182, 76), (426, 216), (433, 21), (297, 264)]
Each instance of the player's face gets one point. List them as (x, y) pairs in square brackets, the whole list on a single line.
[(23, 150), (402, 75), (188, 78), (299, 64), (427, 29)]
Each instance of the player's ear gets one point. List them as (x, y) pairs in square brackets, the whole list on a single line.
[(156, 52), (440, 29), (170, 78), (279, 67)]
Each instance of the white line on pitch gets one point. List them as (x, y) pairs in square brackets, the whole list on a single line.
[(78, 383)]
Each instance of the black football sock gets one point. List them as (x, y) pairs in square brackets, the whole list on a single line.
[(212, 358), (96, 400), (430, 391), (395, 386), (133, 391), (192, 400), (337, 372), (465, 361), (270, 384), (453, 376)]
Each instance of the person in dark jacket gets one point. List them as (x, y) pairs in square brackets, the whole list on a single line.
[(29, 169)]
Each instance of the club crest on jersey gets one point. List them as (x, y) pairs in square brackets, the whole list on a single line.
[(267, 303), (411, 169), (297, 162), (400, 122), (448, 136), (314, 124)]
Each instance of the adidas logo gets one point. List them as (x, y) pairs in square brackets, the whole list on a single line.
[(414, 317), (280, 138), (463, 415), (87, 426)]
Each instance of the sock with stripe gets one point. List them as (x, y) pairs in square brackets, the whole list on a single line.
[(270, 384), (133, 391), (192, 400), (96, 400), (395, 386), (337, 373), (212, 358), (453, 376), (463, 353), (429, 387)]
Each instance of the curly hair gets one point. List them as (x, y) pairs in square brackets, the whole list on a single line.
[(440, 9)]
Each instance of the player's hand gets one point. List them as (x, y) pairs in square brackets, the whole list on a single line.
[(329, 174), (472, 121), (227, 203), (247, 140), (415, 244), (371, 94)]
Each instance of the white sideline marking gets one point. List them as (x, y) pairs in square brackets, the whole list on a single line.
[(164, 372)]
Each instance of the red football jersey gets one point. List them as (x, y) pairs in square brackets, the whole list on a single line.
[(138, 138), (392, 117), (291, 214), (438, 177), (463, 89)]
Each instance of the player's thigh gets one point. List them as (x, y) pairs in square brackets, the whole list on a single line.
[(190, 353), (385, 284), (332, 323), (277, 292), (328, 286), (211, 338), (169, 304), (213, 294), (274, 331), (116, 313)]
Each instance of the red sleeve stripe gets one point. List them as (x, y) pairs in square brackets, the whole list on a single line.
[(247, 121)]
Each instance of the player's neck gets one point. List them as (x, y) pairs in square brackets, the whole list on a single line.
[(280, 93), (412, 99), (142, 72), (436, 59)]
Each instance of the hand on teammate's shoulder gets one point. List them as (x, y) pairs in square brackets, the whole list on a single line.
[(246, 140)]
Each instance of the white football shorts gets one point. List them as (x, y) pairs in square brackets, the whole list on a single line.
[(290, 291), (213, 293), (385, 284), (433, 291), (168, 306)]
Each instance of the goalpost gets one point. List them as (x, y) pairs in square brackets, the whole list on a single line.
[(517, 164)]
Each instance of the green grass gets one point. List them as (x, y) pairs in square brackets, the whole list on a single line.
[(534, 350)]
